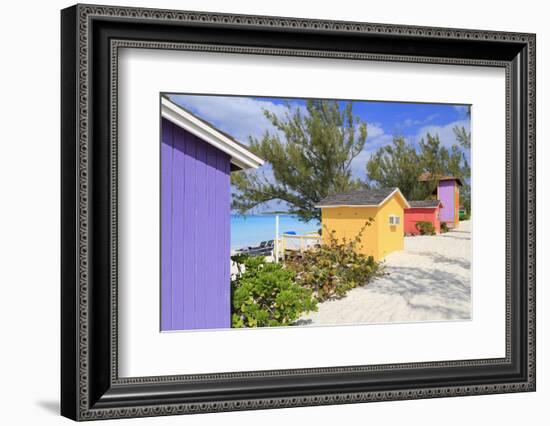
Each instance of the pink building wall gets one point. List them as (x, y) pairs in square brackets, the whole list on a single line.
[(420, 214)]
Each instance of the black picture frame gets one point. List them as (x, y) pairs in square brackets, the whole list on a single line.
[(90, 386)]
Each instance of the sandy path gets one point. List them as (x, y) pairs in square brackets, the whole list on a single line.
[(429, 280)]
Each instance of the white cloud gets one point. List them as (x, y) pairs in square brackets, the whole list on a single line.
[(376, 138), (374, 130), (462, 109), (239, 116), (359, 163), (446, 133), (410, 122)]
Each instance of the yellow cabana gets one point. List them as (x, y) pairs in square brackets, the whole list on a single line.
[(344, 214)]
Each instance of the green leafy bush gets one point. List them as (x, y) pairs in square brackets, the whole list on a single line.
[(265, 294), (444, 228), (332, 269), (425, 228)]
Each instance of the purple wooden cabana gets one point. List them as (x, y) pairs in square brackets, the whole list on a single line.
[(196, 162), (448, 192)]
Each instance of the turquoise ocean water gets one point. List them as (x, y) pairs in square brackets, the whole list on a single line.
[(250, 230)]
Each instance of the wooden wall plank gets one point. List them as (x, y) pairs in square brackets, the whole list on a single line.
[(212, 280), (201, 243), (225, 201), (189, 254), (166, 147), (179, 168)]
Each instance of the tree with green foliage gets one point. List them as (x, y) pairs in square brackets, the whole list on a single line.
[(400, 165), (462, 136), (439, 160), (310, 157), (397, 165)]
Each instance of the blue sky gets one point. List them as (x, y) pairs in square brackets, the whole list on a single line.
[(243, 116)]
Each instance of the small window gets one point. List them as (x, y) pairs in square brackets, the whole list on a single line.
[(394, 220)]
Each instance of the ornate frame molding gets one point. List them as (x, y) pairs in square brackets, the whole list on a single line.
[(88, 404)]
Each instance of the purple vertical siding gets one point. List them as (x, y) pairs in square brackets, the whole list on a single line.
[(202, 263), (447, 197), (166, 156), (211, 213), (178, 220), (224, 206), (190, 231), (195, 204)]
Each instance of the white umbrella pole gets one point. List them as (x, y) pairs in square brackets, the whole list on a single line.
[(277, 238)]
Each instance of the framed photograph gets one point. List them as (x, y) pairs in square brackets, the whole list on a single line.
[(263, 212)]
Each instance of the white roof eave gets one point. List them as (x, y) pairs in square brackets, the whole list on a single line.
[(240, 156), (408, 206)]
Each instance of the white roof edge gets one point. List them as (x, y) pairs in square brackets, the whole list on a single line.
[(369, 205), (426, 207), (240, 156), (400, 193), (347, 205)]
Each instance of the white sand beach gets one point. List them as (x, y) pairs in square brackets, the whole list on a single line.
[(428, 281)]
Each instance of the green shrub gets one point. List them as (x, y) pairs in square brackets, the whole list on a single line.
[(444, 228), (425, 228), (331, 269), (265, 294)]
